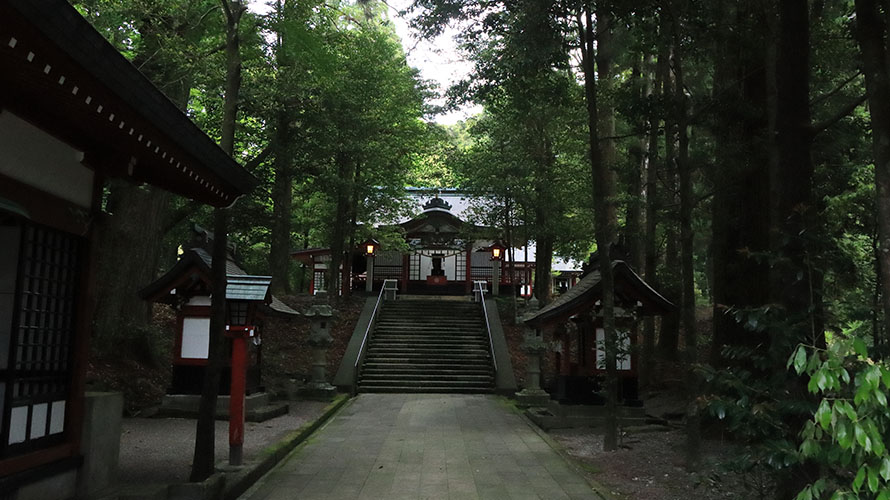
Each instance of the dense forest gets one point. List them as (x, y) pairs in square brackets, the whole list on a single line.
[(736, 154)]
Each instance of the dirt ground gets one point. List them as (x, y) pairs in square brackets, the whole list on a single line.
[(650, 465), (160, 450)]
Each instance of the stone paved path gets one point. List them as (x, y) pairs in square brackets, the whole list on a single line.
[(424, 446)]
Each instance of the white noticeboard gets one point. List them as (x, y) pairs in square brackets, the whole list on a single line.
[(195, 338), (623, 361)]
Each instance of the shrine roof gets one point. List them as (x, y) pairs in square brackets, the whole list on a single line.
[(195, 264), (629, 286), (60, 74), (247, 287)]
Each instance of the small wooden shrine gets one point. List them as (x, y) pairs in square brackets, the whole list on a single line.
[(574, 320), (187, 288)]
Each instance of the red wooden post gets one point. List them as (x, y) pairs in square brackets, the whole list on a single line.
[(469, 271), (406, 271), (239, 337)]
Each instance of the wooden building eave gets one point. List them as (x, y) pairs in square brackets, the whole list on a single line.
[(60, 74), (629, 287)]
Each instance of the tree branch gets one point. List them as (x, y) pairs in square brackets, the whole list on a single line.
[(227, 11), (840, 87), (843, 112), (260, 157)]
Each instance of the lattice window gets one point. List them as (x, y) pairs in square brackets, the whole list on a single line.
[(36, 372), (481, 262), (460, 267), (388, 265), (319, 281), (414, 270)]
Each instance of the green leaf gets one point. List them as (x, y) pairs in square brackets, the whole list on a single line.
[(873, 479), (862, 437), (860, 348), (859, 479), (884, 495), (805, 494), (800, 359), (843, 436), (885, 469), (848, 410), (823, 414), (881, 397)]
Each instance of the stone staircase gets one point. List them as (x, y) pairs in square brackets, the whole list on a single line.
[(428, 346)]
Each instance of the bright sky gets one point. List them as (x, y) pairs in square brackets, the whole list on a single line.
[(438, 61)]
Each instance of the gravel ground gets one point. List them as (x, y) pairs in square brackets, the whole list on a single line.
[(159, 450), (650, 465)]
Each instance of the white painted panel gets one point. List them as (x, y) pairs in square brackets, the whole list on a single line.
[(38, 159), (449, 265), (38, 420), (426, 266), (195, 338), (199, 300), (18, 424), (623, 361), (57, 418)]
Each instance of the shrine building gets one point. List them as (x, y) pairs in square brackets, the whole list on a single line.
[(73, 113), (446, 254)]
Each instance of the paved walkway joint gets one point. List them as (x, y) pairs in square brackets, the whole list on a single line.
[(424, 446)]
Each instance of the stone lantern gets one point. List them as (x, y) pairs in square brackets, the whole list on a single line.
[(497, 254), (320, 315), (534, 346)]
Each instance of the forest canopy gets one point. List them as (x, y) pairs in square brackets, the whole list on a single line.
[(736, 154)]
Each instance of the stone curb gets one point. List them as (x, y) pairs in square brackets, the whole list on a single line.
[(236, 483), (597, 488)]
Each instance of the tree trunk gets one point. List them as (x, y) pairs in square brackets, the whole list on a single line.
[(651, 243), (634, 227), (870, 32), (669, 335), (740, 225), (282, 208), (687, 282), (605, 224), (204, 456), (345, 170)]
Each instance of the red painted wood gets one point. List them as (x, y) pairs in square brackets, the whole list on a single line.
[(238, 387)]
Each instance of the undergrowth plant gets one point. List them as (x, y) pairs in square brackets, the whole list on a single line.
[(846, 435)]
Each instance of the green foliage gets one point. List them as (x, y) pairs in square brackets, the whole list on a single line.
[(848, 430)]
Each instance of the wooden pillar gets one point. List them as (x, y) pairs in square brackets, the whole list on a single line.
[(468, 285), (406, 271), (236, 397)]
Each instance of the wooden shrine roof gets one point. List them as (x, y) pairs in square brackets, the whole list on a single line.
[(194, 265), (60, 74), (629, 287)]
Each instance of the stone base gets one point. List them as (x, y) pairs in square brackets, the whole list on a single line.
[(560, 416), (319, 392), (258, 407), (529, 398)]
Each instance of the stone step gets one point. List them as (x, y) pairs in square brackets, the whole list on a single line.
[(381, 344), (463, 377), (430, 330), (426, 383), (450, 322), (425, 369), (429, 353), (430, 341), (479, 361), (395, 389)]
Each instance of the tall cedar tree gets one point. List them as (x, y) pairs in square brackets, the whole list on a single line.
[(205, 454)]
